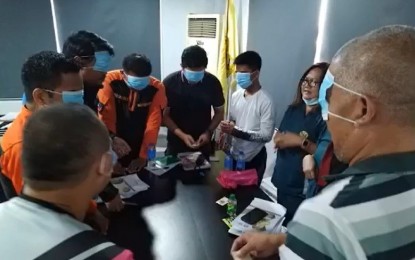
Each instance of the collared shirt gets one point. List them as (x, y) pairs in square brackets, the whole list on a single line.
[(367, 213), (191, 105), (288, 174), (32, 228)]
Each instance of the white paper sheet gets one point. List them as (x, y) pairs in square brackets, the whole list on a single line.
[(129, 185)]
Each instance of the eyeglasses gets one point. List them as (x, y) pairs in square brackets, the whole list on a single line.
[(310, 82)]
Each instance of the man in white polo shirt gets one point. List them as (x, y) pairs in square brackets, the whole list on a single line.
[(251, 120)]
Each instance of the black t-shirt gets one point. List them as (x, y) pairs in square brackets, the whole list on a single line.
[(90, 96), (190, 104)]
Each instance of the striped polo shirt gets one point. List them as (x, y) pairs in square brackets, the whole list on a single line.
[(367, 213)]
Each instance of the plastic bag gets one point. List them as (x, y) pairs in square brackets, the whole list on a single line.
[(233, 179)]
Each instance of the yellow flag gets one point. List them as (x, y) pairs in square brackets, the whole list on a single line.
[(229, 49)]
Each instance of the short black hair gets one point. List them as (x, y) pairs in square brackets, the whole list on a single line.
[(194, 57), (85, 43), (250, 59), (44, 70), (137, 63), (57, 154)]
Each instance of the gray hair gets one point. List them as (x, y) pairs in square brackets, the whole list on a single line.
[(381, 65)]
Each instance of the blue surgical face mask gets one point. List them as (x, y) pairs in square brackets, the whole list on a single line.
[(102, 61), (311, 102), (73, 96), (193, 76), (76, 97), (137, 83), (243, 79), (327, 83), (24, 99)]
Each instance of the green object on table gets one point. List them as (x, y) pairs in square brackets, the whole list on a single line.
[(231, 207), (228, 222), (166, 160)]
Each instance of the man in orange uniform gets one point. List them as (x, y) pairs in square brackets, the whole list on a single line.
[(130, 104), (48, 78)]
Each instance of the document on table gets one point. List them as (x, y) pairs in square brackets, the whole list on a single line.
[(129, 185), (272, 223)]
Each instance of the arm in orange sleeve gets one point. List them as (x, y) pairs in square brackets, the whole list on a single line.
[(11, 166), (154, 118), (106, 106)]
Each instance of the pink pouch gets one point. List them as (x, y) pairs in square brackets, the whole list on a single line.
[(233, 179)]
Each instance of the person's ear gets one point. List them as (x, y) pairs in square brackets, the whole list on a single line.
[(106, 167), (40, 97), (254, 75), (124, 75), (367, 111), (78, 60)]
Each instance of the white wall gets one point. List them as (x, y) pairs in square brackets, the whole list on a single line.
[(284, 33), (173, 26)]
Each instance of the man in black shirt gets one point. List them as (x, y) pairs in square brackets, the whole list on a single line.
[(191, 94)]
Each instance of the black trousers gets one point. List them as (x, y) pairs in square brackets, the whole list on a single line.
[(259, 163)]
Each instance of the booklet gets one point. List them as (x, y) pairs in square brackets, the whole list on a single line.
[(271, 223), (129, 185)]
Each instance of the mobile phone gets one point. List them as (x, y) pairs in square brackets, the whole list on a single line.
[(253, 216)]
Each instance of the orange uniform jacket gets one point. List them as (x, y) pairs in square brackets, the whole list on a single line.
[(11, 145), (107, 109)]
